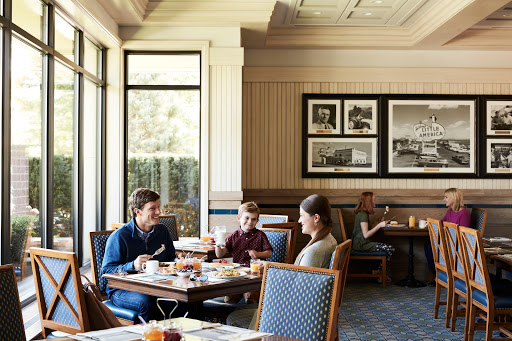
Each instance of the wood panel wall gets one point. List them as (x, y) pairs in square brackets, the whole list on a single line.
[(272, 133)]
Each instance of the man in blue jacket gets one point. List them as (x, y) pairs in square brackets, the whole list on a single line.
[(133, 244)]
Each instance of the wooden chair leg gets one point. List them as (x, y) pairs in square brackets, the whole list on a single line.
[(468, 335), (437, 299), (384, 273), (490, 325), (449, 298), (455, 304)]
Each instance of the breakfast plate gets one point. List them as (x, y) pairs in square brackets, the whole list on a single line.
[(499, 240), (396, 225), (223, 275)]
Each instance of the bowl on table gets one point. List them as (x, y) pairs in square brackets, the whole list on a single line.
[(184, 273)]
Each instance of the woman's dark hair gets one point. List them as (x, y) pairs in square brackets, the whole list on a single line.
[(317, 204), (365, 203)]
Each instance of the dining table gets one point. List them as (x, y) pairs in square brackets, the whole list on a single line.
[(185, 290), (498, 253), (192, 329), (196, 248), (411, 233)]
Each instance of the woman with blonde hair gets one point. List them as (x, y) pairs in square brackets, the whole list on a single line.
[(315, 219), (457, 213), (362, 233)]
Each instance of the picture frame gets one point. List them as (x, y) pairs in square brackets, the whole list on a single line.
[(324, 116), (498, 117), (498, 159), (432, 136), (340, 157), (360, 116)]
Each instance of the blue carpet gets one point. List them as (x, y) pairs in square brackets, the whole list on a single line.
[(370, 312)]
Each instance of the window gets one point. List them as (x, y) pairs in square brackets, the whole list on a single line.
[(163, 137), (55, 126)]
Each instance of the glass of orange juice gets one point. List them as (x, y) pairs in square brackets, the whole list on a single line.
[(205, 238), (255, 265), (197, 264), (153, 331)]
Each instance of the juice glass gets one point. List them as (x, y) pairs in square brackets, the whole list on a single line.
[(205, 238), (197, 264), (255, 265), (412, 221)]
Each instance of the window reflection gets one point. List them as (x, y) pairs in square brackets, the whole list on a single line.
[(30, 15)]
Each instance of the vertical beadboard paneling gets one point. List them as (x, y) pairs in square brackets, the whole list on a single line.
[(272, 133), (225, 134)]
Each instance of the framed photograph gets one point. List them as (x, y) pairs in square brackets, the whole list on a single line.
[(499, 156), (360, 116), (498, 115), (324, 116), (334, 157), (432, 136)]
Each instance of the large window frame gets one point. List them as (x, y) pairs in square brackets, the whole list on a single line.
[(51, 56)]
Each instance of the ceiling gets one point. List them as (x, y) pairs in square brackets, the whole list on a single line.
[(337, 24)]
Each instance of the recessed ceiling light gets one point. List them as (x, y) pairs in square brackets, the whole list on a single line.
[(377, 1), (368, 13), (317, 13)]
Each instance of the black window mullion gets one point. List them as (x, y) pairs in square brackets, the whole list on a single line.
[(5, 230), (102, 179), (78, 177)]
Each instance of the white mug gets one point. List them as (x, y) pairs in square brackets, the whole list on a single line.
[(422, 224), (151, 266)]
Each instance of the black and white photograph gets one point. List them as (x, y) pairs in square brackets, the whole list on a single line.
[(342, 155), (499, 156), (324, 116), (431, 136), (360, 116), (499, 117)]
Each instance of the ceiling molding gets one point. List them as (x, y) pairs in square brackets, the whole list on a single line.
[(140, 8)]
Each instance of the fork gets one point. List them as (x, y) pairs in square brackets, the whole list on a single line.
[(159, 251)]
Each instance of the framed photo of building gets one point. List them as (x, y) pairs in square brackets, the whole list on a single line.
[(324, 116), (432, 136), (499, 156), (498, 115), (338, 157), (360, 116)]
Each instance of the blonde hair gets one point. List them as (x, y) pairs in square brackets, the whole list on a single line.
[(458, 199), (250, 207)]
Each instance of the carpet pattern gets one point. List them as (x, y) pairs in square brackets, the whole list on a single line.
[(370, 312)]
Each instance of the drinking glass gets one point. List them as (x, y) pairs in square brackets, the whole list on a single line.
[(255, 265)]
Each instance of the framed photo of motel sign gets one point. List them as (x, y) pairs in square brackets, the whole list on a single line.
[(341, 156), (431, 136)]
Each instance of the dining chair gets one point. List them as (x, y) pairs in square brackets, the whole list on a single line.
[(169, 220), (478, 218), (459, 277), (379, 256), (282, 242), (97, 244), (291, 295), (271, 219), (115, 226), (339, 261), (444, 277), (491, 306), (59, 291), (11, 318)]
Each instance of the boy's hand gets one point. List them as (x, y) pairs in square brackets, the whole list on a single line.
[(252, 253)]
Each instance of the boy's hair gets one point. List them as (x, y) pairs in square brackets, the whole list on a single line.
[(250, 207), (456, 195), (140, 197), (365, 203)]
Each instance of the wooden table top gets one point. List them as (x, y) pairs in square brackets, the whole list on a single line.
[(405, 231), (188, 323), (182, 289)]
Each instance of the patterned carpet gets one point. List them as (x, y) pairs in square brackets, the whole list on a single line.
[(370, 312)]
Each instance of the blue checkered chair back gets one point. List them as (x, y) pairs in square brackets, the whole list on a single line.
[(478, 217), (98, 243), (475, 266), (11, 321), (438, 243), (279, 242), (57, 278), (171, 223), (298, 302), (271, 219)]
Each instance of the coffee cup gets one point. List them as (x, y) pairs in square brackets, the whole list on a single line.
[(422, 224), (151, 266)]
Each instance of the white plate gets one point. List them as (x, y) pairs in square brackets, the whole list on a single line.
[(499, 240), (242, 274), (222, 266), (398, 225)]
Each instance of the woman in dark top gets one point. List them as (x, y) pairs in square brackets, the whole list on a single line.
[(362, 232)]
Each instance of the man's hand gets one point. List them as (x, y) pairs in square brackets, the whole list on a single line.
[(137, 263)]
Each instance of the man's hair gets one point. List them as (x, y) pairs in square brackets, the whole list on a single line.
[(322, 108), (140, 197), (250, 207)]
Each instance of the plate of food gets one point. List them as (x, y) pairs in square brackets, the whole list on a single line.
[(499, 240), (167, 271), (394, 223), (223, 265), (226, 274)]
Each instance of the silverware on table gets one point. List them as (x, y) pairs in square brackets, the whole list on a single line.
[(159, 251)]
